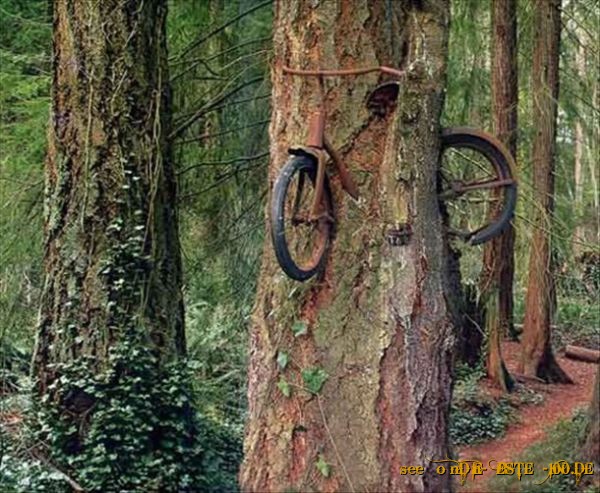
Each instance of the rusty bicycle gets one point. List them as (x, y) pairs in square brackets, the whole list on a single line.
[(302, 214)]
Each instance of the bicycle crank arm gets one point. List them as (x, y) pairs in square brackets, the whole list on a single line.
[(457, 190)]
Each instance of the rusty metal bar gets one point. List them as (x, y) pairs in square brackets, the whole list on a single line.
[(317, 205), (480, 185), (457, 188), (316, 129), (342, 72)]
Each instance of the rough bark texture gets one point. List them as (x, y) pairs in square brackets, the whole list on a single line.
[(537, 357), (377, 320), (498, 257), (468, 314), (111, 248), (591, 446)]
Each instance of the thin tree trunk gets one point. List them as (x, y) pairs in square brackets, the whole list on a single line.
[(594, 148), (497, 275), (377, 322), (111, 252), (537, 356), (579, 233)]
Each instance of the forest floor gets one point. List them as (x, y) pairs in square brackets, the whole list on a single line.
[(560, 401)]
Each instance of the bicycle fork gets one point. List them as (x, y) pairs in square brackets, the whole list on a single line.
[(319, 147)]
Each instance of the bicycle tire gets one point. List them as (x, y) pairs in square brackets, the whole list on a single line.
[(308, 165), (500, 158)]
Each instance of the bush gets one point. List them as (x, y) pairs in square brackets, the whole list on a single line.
[(481, 422)]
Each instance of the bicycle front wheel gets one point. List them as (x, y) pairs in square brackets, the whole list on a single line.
[(477, 184), (301, 241)]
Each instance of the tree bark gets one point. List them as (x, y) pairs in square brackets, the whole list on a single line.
[(582, 354), (111, 252), (591, 446), (537, 357), (579, 232), (377, 321), (497, 275)]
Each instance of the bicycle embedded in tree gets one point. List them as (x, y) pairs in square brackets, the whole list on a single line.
[(302, 217)]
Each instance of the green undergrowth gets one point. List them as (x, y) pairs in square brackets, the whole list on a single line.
[(476, 415), (576, 321), (131, 427), (561, 443)]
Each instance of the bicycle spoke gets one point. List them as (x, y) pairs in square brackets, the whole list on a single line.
[(476, 163)]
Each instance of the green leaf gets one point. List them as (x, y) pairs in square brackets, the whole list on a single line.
[(314, 378), (282, 359), (284, 387), (323, 467), (299, 328)]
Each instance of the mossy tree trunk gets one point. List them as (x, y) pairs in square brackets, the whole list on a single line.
[(378, 331), (537, 356), (497, 275), (111, 252)]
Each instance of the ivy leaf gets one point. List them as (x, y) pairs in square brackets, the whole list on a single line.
[(282, 359), (284, 387), (323, 467), (314, 378), (299, 328)]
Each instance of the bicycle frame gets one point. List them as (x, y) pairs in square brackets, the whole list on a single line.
[(317, 144), (319, 217)]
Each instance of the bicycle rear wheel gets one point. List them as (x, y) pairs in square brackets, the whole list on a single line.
[(301, 242), (477, 184)]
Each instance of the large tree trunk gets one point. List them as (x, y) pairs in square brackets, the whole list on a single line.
[(537, 357), (498, 258), (377, 322), (112, 292)]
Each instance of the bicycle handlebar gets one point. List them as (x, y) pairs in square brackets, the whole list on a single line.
[(343, 72)]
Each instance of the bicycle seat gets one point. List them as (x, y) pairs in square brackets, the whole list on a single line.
[(383, 98)]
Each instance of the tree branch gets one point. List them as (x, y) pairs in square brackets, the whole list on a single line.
[(225, 132), (225, 162), (190, 121), (217, 30)]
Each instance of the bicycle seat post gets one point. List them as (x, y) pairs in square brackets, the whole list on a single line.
[(316, 129)]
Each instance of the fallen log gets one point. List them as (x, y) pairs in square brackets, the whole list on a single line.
[(519, 327), (582, 354)]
